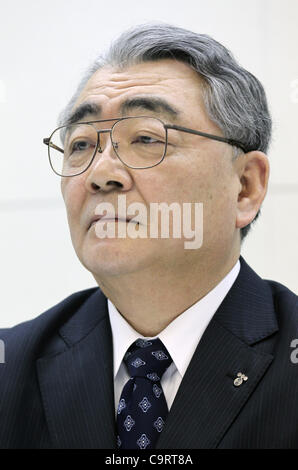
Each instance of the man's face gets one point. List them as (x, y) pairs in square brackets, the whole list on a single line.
[(195, 169)]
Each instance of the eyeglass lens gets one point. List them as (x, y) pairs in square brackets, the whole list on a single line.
[(139, 142)]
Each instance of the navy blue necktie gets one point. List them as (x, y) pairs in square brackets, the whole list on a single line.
[(142, 408)]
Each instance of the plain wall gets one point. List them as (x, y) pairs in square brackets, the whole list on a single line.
[(45, 48)]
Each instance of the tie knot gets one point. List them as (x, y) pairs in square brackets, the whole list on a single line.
[(147, 358)]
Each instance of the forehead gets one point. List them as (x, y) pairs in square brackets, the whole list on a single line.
[(171, 80)]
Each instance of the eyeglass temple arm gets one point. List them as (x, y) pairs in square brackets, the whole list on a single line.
[(209, 136), (46, 141)]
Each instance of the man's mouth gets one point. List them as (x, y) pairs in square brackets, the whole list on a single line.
[(107, 218)]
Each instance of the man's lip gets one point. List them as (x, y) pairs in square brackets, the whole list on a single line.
[(108, 219)]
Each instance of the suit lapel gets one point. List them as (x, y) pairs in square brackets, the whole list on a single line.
[(207, 401), (77, 384)]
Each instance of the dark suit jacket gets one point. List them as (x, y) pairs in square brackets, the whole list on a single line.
[(56, 385)]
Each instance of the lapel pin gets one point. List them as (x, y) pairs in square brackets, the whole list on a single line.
[(239, 380)]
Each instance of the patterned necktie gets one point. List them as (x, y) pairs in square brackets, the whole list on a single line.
[(142, 408)]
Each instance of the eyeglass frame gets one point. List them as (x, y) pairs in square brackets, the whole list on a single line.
[(46, 140)]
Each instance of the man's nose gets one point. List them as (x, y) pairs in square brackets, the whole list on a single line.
[(107, 172)]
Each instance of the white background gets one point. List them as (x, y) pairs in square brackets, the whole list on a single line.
[(45, 46)]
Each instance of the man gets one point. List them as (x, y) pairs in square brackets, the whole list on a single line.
[(166, 117)]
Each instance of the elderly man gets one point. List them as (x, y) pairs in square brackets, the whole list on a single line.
[(180, 346)]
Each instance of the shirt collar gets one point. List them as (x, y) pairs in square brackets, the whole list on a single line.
[(182, 335)]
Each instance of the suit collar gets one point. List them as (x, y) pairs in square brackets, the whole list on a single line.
[(248, 309), (85, 319), (249, 296)]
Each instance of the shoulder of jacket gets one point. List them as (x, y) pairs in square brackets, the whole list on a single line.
[(285, 300), (31, 333)]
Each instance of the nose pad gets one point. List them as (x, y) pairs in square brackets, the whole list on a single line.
[(99, 148)]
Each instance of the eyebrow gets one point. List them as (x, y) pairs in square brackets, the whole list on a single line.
[(152, 103), (155, 104), (83, 110)]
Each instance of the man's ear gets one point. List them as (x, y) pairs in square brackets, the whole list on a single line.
[(253, 177)]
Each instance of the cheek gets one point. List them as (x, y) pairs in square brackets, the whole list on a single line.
[(175, 180), (73, 191), (220, 209), (211, 181)]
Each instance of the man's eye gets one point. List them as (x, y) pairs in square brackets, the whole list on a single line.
[(80, 146), (146, 139)]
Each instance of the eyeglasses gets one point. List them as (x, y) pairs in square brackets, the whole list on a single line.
[(139, 142)]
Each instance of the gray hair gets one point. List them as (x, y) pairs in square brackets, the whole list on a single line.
[(235, 99)]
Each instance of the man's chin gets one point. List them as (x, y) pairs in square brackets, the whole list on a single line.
[(112, 257)]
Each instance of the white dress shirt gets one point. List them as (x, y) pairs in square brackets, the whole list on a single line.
[(180, 337)]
